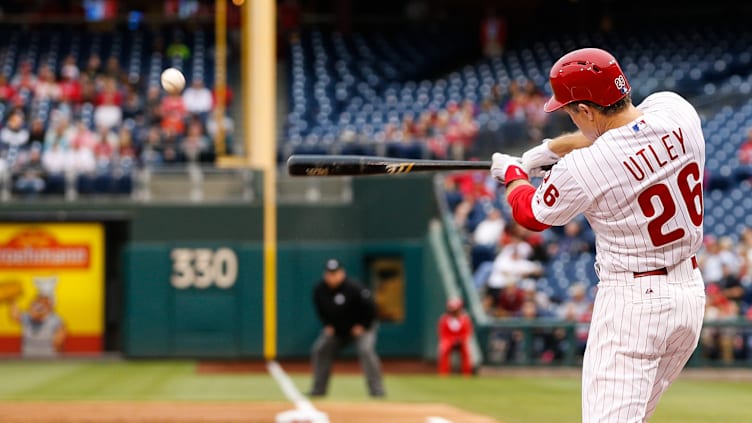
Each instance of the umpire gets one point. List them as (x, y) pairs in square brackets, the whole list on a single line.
[(348, 313)]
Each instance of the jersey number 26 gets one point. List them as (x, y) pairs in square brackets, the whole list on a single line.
[(691, 193)]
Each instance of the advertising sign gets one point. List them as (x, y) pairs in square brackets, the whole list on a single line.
[(51, 288)]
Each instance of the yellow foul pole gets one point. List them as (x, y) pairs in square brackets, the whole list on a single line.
[(259, 63), (220, 74)]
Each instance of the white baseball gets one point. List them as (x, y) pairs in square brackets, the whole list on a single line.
[(173, 80)]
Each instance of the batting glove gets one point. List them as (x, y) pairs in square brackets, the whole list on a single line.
[(539, 159), (506, 168)]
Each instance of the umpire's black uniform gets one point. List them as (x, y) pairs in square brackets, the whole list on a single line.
[(348, 313)]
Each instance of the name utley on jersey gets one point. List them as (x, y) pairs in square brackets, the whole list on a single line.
[(639, 186)]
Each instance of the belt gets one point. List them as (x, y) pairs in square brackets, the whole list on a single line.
[(662, 271)]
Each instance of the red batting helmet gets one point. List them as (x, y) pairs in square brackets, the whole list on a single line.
[(588, 74)]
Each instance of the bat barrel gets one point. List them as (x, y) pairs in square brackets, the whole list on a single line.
[(338, 165)]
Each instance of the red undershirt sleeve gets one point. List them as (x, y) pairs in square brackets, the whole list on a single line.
[(521, 201)]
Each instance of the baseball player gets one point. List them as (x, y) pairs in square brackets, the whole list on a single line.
[(635, 173)]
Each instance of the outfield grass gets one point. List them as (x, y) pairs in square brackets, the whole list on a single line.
[(511, 399)]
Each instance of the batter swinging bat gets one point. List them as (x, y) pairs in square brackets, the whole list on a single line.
[(338, 165)]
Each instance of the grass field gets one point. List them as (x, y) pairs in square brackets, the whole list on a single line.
[(510, 398)]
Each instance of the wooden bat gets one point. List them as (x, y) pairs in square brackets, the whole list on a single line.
[(338, 165)]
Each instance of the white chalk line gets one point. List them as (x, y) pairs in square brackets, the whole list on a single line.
[(301, 402), (304, 407)]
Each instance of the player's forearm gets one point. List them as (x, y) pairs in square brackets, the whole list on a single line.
[(516, 184), (565, 143), (520, 197)]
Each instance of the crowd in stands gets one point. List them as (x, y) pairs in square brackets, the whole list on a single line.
[(449, 132), (94, 125), (508, 263)]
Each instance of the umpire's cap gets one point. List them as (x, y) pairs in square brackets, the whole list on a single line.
[(332, 265)]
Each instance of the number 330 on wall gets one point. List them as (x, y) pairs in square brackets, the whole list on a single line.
[(203, 267)]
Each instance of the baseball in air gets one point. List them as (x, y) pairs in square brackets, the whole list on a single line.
[(173, 80)]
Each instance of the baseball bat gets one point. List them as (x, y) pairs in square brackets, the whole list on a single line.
[(341, 165)]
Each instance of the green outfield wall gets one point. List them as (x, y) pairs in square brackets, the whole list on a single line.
[(186, 280)]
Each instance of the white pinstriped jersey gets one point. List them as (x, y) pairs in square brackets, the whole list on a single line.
[(639, 186)]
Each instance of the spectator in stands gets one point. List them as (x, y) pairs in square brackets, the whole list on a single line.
[(151, 152), (24, 80), (178, 48), (70, 85), (455, 328), (493, 33), (288, 21), (46, 87), (229, 127), (535, 116), (470, 212), (578, 307), (170, 148), (108, 112), (546, 343), (489, 230), (515, 105), (731, 286), (462, 131), (718, 341), (173, 103), (113, 70), (745, 254), (198, 99), (504, 300), (133, 103), (93, 66), (70, 68), (486, 238), (28, 172), (7, 92), (409, 130), (498, 96), (512, 265), (573, 241), (710, 261), (474, 184), (14, 135), (229, 95), (729, 256), (173, 125), (88, 89), (452, 193), (82, 136), (731, 262), (153, 105), (81, 161), (126, 148), (55, 160), (745, 150), (542, 301), (59, 132), (37, 131), (196, 145), (103, 150)]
